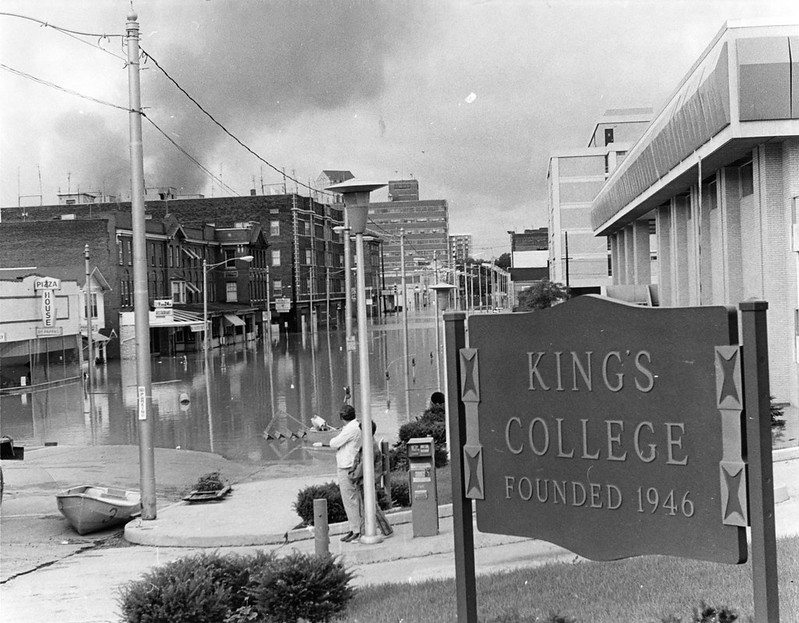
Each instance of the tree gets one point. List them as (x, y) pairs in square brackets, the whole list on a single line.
[(503, 261), (541, 295)]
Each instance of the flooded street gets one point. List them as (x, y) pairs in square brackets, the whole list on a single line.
[(250, 403)]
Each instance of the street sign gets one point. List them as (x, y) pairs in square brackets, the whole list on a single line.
[(599, 426), (352, 344), (283, 305)]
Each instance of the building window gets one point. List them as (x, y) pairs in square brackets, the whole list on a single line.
[(179, 291), (231, 292), (276, 257), (277, 287), (94, 304), (308, 257), (608, 136), (274, 228), (747, 181)]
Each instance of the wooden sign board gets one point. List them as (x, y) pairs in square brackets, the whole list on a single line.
[(610, 429)]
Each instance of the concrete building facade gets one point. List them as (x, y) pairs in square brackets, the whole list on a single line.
[(717, 171), (577, 258)]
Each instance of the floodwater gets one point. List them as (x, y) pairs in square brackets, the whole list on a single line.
[(252, 402)]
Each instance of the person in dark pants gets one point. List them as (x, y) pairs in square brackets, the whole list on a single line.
[(356, 475)]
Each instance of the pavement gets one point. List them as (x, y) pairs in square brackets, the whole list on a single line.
[(79, 581)]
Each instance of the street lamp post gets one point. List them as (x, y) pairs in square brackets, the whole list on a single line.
[(206, 269), (442, 291), (356, 204), (345, 231)]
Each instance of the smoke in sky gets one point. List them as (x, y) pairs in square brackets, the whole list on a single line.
[(260, 66)]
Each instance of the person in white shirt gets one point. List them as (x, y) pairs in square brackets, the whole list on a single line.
[(346, 444)]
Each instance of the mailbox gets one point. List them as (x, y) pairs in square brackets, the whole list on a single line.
[(423, 492)]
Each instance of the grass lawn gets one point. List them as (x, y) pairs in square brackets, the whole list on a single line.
[(648, 589)]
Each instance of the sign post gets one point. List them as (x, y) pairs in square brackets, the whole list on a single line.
[(761, 474)]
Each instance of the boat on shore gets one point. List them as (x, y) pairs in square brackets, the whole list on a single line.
[(91, 508)]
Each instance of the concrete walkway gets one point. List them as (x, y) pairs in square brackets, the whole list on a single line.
[(83, 586)]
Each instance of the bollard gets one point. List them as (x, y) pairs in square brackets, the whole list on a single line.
[(321, 532), (386, 472)]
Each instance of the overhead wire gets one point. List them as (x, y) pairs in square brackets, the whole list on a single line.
[(148, 56), (60, 88), (224, 129), (191, 158), (52, 85)]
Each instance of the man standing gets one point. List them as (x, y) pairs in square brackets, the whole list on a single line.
[(346, 444)]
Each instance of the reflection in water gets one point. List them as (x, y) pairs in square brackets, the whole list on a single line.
[(248, 402)]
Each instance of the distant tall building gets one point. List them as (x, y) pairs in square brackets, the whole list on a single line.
[(529, 258), (403, 190), (426, 227), (577, 258), (460, 247)]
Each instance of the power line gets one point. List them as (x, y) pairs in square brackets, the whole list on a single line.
[(59, 28), (60, 88), (190, 157), (224, 129), (112, 105)]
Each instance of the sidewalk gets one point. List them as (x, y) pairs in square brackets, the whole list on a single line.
[(83, 587)]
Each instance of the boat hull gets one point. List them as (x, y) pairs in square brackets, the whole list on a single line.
[(89, 508)]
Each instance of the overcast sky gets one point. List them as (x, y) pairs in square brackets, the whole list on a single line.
[(468, 97)]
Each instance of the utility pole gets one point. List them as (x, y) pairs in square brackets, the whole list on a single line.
[(141, 302), (405, 324), (88, 295)]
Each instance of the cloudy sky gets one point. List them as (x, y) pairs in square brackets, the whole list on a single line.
[(468, 97)]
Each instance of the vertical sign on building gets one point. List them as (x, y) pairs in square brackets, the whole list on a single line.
[(47, 287)]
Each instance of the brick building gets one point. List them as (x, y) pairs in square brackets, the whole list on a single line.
[(296, 274)]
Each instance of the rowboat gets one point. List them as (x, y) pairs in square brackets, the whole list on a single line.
[(89, 508)]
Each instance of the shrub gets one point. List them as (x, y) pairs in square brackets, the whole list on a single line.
[(420, 428), (709, 614), (776, 413), (209, 588), (196, 589), (328, 491), (398, 458), (311, 587), (209, 482), (400, 492)]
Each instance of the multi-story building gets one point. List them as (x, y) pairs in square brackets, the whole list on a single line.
[(577, 258), (717, 172), (460, 248), (424, 223), (296, 278), (529, 258)]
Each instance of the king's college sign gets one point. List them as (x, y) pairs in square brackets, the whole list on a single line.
[(609, 429)]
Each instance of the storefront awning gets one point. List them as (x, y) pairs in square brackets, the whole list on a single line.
[(234, 320), (97, 337), (175, 318)]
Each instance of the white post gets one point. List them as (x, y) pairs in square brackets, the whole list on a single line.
[(405, 326), (369, 495)]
